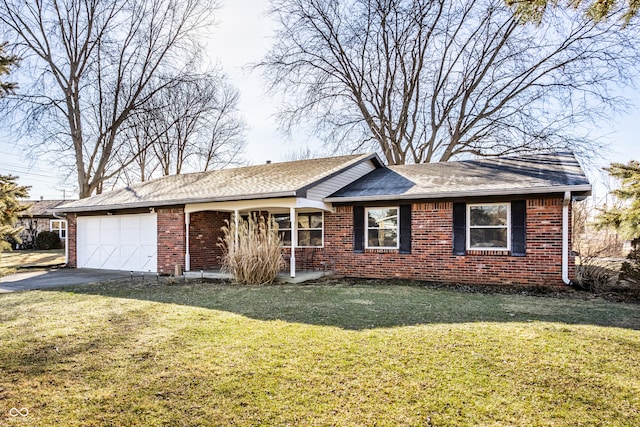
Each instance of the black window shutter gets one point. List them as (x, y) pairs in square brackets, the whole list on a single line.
[(518, 228), (405, 229), (358, 228), (459, 228)]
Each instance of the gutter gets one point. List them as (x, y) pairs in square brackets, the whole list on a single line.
[(565, 238), (463, 194), (169, 202)]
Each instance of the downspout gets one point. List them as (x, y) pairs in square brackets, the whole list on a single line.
[(565, 237)]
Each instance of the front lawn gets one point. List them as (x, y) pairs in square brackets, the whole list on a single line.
[(339, 354)]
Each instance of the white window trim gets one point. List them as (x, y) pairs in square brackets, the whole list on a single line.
[(290, 229), (366, 228), (311, 229), (63, 226), (507, 226)]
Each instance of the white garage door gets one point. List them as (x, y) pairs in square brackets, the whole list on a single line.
[(118, 242)]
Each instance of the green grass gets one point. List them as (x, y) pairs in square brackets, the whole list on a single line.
[(211, 354), (10, 262)]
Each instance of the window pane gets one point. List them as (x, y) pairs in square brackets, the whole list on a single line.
[(282, 220), (303, 221), (285, 237), (55, 226), (304, 238), (488, 238), (382, 238), (315, 237), (488, 215), (383, 218), (309, 237), (316, 220)]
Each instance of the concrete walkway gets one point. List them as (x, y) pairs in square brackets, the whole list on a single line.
[(284, 277), (43, 279)]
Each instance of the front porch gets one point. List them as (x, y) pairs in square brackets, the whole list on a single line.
[(282, 277), (300, 220)]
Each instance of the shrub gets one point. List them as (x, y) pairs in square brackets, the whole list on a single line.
[(630, 270), (595, 275), (252, 255), (48, 240)]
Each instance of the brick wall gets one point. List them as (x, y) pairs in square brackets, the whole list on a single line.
[(171, 239), (72, 221), (204, 231), (432, 256)]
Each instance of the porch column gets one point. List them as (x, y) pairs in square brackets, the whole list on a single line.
[(236, 220), (187, 256), (294, 240)]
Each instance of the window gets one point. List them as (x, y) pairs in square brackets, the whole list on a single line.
[(382, 228), (488, 226), (59, 226), (284, 227), (310, 229)]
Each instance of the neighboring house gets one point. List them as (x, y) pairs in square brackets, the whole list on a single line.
[(493, 221), (40, 217)]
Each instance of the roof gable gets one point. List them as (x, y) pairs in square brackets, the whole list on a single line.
[(540, 173)]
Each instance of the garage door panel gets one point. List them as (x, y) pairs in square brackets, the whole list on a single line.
[(118, 242), (148, 234)]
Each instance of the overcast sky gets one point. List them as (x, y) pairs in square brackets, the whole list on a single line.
[(242, 36)]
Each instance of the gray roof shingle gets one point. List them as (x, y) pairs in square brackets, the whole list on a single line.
[(528, 174), (41, 208), (286, 179)]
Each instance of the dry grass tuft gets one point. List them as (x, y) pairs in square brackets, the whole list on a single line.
[(252, 251)]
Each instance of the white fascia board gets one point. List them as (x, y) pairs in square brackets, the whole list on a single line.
[(257, 204), (303, 203), (462, 194)]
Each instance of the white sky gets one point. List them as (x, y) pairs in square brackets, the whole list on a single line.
[(242, 36)]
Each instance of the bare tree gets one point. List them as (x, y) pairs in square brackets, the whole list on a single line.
[(96, 62), (193, 125), (429, 80)]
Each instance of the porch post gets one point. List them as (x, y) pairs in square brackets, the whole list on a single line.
[(294, 240), (187, 256), (236, 220)]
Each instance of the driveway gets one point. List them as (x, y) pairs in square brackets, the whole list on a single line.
[(59, 277)]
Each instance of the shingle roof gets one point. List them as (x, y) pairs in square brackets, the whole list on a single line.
[(286, 179), (41, 207), (528, 174)]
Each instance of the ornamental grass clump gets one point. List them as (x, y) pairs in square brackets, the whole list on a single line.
[(252, 252)]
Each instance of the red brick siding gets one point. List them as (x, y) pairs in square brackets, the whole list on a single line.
[(171, 239), (431, 255), (306, 259), (72, 221), (204, 231)]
